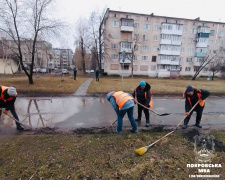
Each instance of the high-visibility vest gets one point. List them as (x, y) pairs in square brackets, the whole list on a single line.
[(121, 98), (2, 95), (199, 98), (150, 103)]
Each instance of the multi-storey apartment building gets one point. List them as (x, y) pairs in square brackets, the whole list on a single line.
[(42, 56), (63, 58), (158, 46)]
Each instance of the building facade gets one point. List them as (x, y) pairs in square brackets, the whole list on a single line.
[(63, 58), (158, 46)]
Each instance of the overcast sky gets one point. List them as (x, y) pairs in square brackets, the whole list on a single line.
[(71, 10)]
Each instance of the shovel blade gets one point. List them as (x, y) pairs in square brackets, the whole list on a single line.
[(165, 114)]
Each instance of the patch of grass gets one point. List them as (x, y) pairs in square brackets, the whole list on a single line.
[(43, 85), (159, 86), (99, 156)]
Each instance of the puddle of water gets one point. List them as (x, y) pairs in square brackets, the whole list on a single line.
[(76, 112)]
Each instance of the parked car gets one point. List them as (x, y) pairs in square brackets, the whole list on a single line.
[(43, 70), (65, 71)]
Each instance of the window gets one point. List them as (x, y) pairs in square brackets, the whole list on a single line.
[(144, 58), (144, 48), (205, 69), (115, 24), (222, 33), (193, 31), (153, 58), (184, 29), (196, 68), (135, 57), (191, 41), (212, 32), (183, 40), (114, 46), (154, 48), (153, 68), (181, 59), (190, 50), (136, 25), (189, 60), (114, 15), (155, 38), (156, 27), (146, 26), (125, 67), (126, 45), (187, 68), (135, 47), (127, 22), (114, 56), (145, 37)]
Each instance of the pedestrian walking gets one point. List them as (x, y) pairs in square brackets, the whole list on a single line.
[(75, 73), (97, 75), (122, 103)]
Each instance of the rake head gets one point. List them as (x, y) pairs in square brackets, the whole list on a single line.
[(165, 114)]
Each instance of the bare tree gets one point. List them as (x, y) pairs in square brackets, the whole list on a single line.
[(217, 54), (136, 41), (215, 67), (21, 20)]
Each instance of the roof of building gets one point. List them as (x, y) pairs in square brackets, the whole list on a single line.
[(152, 15)]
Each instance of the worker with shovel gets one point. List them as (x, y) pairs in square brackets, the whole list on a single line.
[(7, 100), (143, 96), (122, 103), (194, 95)]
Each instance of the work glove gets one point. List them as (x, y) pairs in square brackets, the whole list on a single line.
[(200, 100), (187, 113), (5, 112)]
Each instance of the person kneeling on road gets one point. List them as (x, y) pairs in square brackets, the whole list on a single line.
[(7, 100), (193, 95), (122, 103)]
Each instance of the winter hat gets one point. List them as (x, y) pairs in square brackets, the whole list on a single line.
[(142, 83), (189, 89), (11, 91)]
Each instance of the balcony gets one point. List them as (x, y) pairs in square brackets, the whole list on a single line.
[(170, 42), (202, 44), (204, 35), (169, 62), (127, 61), (170, 52), (200, 54), (127, 50), (127, 28)]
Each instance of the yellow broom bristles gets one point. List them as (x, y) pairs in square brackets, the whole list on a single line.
[(141, 150)]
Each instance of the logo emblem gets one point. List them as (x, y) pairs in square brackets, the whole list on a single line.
[(204, 148)]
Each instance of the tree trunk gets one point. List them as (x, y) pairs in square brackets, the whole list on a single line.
[(30, 77), (213, 75)]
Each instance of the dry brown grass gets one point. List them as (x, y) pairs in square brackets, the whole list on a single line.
[(159, 85), (43, 85)]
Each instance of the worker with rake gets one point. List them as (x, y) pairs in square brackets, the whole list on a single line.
[(194, 95), (7, 100), (143, 95), (122, 103)]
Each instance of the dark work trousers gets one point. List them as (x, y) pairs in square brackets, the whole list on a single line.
[(97, 78), (13, 112), (198, 111), (146, 111), (74, 75)]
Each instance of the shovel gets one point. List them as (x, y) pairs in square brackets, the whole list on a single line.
[(164, 114), (26, 127)]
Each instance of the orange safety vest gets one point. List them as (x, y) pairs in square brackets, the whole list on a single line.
[(150, 103), (2, 95), (199, 98), (121, 98)]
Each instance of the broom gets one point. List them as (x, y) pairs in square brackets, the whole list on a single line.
[(144, 149)]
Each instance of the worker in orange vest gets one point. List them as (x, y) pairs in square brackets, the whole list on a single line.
[(193, 95), (143, 95), (122, 103), (7, 100)]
